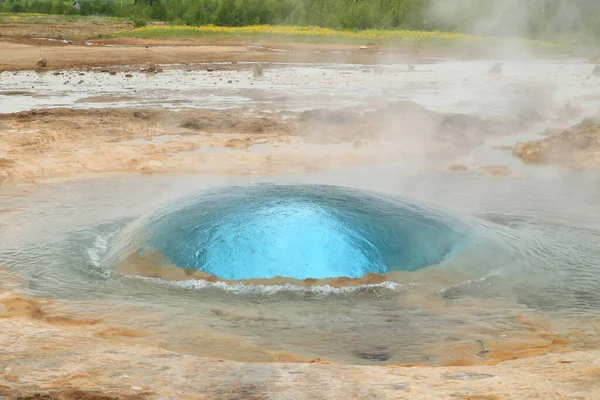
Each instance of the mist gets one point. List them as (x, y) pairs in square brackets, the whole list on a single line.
[(571, 21)]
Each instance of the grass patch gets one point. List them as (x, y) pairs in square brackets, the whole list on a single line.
[(313, 34)]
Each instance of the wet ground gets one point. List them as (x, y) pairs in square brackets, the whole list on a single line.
[(535, 293), (438, 84)]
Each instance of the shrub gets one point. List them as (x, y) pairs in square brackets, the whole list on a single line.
[(138, 22)]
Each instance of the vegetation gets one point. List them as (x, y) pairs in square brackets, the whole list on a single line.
[(316, 34), (536, 19)]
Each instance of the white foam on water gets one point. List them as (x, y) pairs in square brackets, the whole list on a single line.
[(242, 288), (99, 247)]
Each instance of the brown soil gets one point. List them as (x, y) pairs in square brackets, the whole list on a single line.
[(63, 143), (577, 147), (24, 53)]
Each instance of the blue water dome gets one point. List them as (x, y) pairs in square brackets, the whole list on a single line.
[(300, 231)]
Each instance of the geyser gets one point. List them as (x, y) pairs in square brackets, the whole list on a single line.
[(297, 231)]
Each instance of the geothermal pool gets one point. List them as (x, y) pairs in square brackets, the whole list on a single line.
[(518, 249), (294, 231), (370, 264)]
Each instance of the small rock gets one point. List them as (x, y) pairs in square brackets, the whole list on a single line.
[(496, 69), (7, 370), (151, 68), (42, 63), (376, 353), (128, 76), (363, 47), (229, 81), (596, 71), (137, 388), (257, 71), (113, 72), (410, 67), (209, 70)]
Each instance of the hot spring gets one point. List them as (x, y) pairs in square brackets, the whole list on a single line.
[(402, 262), (252, 272), (296, 231)]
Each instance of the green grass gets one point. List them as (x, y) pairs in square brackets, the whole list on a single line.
[(324, 35)]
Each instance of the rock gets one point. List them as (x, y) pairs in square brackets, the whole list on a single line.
[(128, 76), (363, 47), (375, 353), (209, 70), (42, 63), (151, 68), (496, 69), (577, 146), (257, 71)]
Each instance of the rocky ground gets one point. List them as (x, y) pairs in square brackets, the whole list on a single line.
[(576, 147), (65, 143), (49, 356)]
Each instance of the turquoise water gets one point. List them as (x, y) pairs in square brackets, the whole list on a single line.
[(300, 232)]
